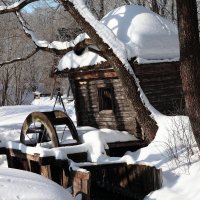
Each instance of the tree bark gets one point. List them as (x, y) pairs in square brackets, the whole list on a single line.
[(155, 6), (190, 61), (147, 124), (102, 10)]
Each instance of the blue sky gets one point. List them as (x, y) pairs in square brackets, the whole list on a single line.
[(31, 7)]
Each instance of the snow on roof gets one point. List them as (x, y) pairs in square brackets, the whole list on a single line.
[(146, 35), (71, 60)]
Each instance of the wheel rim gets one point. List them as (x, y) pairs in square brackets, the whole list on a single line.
[(38, 129)]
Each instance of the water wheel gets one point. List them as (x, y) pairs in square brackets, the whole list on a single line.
[(47, 129)]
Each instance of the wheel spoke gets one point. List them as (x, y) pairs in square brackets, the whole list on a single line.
[(63, 134), (35, 133), (30, 139)]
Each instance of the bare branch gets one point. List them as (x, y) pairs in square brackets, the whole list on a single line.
[(16, 6), (56, 47), (20, 59)]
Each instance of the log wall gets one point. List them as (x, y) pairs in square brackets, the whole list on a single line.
[(160, 82), (121, 117)]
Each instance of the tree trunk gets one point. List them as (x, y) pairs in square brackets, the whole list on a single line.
[(172, 10), (154, 6), (190, 61), (5, 84), (147, 124), (127, 2), (102, 10)]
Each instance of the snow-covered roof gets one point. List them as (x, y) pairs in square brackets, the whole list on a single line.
[(146, 36)]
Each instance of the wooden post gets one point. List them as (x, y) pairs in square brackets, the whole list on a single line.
[(45, 171), (81, 182)]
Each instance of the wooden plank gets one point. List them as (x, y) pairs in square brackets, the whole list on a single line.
[(124, 144), (157, 67), (45, 171), (78, 157), (94, 166), (93, 75), (124, 181), (81, 182), (19, 154)]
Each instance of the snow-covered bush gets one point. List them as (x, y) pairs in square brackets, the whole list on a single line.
[(180, 145)]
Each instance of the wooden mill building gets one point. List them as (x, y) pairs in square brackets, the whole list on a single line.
[(100, 100), (99, 96)]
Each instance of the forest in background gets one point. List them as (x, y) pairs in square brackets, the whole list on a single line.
[(48, 19)]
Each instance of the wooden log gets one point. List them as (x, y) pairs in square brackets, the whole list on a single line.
[(93, 75)]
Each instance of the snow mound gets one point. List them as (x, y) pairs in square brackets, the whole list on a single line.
[(145, 34), (18, 184)]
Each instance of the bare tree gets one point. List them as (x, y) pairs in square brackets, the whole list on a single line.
[(154, 6), (190, 61), (6, 74)]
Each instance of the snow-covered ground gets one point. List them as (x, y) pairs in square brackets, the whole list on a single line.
[(21, 185), (180, 180)]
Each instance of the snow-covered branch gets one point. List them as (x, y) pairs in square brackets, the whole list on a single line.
[(15, 6), (104, 32), (57, 47), (20, 59)]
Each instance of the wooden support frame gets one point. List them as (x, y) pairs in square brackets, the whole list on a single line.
[(118, 179)]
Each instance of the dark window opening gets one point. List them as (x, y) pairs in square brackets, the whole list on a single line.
[(105, 99)]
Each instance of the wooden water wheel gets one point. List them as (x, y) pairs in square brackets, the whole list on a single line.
[(47, 129)]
